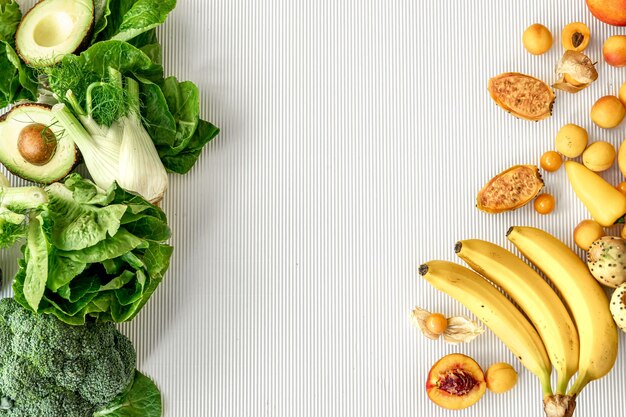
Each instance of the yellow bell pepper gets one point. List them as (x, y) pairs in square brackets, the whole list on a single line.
[(605, 203)]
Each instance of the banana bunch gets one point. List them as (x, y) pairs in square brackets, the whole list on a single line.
[(575, 334)]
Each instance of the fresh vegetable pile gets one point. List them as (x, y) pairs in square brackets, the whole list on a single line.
[(83, 83), (573, 330), (51, 369)]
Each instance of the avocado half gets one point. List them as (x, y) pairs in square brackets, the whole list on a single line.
[(33, 146), (52, 29)]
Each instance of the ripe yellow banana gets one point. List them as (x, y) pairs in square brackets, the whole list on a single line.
[(583, 295), (495, 311), (534, 296)]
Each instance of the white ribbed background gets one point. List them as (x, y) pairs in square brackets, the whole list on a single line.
[(355, 135)]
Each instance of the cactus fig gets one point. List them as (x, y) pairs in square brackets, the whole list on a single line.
[(606, 260)]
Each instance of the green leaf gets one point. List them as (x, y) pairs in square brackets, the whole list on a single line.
[(10, 17), (17, 80), (183, 102), (112, 247), (185, 160), (96, 60), (37, 248), (102, 11), (171, 117), (143, 399), (78, 226), (62, 270), (144, 15)]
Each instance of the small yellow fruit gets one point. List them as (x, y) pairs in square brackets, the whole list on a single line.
[(500, 377), (587, 232), (599, 156), (622, 94), (575, 36), (544, 204), (437, 323), (608, 112), (623, 233), (551, 161), (537, 39), (571, 140)]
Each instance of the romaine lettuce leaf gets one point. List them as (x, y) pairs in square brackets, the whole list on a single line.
[(113, 269), (131, 18)]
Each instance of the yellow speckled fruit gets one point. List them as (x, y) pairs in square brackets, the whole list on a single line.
[(537, 39), (500, 377), (587, 232), (571, 140), (599, 156), (608, 112)]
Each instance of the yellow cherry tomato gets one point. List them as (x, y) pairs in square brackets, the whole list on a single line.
[(544, 204), (437, 323), (551, 161)]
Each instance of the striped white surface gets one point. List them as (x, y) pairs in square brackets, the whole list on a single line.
[(355, 135)]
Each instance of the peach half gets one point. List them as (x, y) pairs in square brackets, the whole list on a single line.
[(614, 50), (612, 12), (455, 382)]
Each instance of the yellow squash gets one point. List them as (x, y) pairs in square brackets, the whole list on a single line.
[(605, 203)]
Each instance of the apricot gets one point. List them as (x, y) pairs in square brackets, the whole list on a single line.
[(575, 37), (612, 12), (599, 156), (500, 377), (571, 140), (614, 50), (455, 382), (537, 39), (608, 112), (587, 232)]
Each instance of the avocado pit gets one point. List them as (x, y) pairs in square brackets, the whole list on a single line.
[(37, 144)]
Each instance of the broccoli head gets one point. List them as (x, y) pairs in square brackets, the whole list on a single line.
[(51, 369)]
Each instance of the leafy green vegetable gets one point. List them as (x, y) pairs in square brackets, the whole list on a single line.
[(17, 81), (134, 17), (51, 369), (102, 10), (143, 399), (10, 16), (15, 203), (91, 253), (171, 114)]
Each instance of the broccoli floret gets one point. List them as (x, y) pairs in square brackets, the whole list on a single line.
[(51, 369)]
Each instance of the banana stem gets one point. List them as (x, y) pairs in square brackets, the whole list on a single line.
[(580, 383), (561, 384), (546, 386), (559, 405)]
